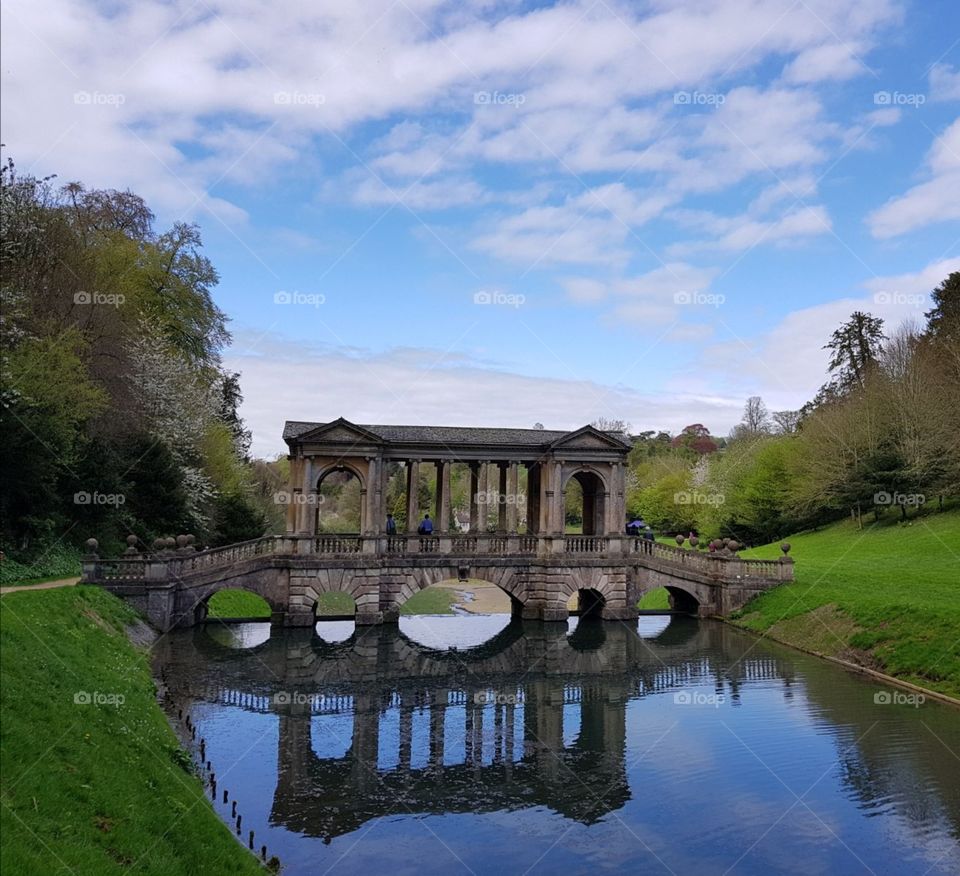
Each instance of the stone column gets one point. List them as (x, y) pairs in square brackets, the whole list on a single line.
[(372, 521), (503, 497), (513, 491), (484, 494), (443, 496), (292, 492), (306, 515), (474, 505), (413, 494)]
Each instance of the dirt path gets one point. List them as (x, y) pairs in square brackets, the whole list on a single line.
[(46, 585)]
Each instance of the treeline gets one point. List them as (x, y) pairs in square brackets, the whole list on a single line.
[(117, 414), (881, 436)]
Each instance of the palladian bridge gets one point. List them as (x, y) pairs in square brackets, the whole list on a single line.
[(514, 539)]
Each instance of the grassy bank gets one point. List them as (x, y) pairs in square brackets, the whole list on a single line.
[(102, 786), (887, 597)]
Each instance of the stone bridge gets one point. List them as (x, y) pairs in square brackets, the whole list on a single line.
[(512, 532)]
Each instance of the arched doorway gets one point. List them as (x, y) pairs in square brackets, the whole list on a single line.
[(339, 501), (584, 501)]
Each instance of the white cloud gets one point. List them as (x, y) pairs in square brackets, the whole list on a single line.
[(831, 61), (787, 363), (944, 83), (929, 202), (285, 380)]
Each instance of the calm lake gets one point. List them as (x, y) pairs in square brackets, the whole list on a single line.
[(473, 744)]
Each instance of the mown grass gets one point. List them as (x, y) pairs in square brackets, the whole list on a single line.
[(887, 596), (87, 788), (655, 599), (238, 603), (433, 600)]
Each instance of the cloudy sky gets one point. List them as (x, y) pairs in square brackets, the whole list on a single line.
[(503, 213)]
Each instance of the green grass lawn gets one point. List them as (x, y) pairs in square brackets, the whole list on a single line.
[(94, 788), (658, 598), (433, 600), (887, 596), (238, 603)]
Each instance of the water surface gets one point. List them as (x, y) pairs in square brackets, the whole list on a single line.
[(477, 744)]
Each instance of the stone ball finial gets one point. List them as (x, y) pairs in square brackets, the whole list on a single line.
[(92, 545), (191, 540), (694, 541), (734, 546), (132, 540), (725, 542), (157, 544), (680, 540), (181, 541), (170, 542), (785, 547)]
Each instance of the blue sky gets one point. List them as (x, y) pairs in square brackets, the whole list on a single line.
[(502, 213)]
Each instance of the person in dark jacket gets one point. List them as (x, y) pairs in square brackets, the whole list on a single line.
[(391, 525), (426, 525)]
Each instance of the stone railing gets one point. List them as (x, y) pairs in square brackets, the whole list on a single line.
[(720, 564), (338, 544), (585, 544)]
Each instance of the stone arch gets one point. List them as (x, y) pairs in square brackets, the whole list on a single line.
[(504, 578), (363, 588), (341, 465), (684, 595), (262, 585), (596, 495)]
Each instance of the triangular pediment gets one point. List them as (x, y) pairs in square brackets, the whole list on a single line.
[(339, 431), (589, 438)]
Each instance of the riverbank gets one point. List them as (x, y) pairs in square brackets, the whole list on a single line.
[(93, 778), (886, 598)]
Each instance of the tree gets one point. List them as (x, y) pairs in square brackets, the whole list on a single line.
[(943, 319), (786, 422), (696, 438), (236, 519), (755, 421), (855, 347), (609, 424)]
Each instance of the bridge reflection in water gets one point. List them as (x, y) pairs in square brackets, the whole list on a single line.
[(533, 717)]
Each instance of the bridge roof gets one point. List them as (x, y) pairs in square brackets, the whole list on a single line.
[(446, 435)]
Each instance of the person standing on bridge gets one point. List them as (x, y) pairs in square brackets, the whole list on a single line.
[(391, 525), (426, 525)]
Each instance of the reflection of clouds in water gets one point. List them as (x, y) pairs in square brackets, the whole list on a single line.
[(649, 627), (335, 631), (239, 635), (443, 631)]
